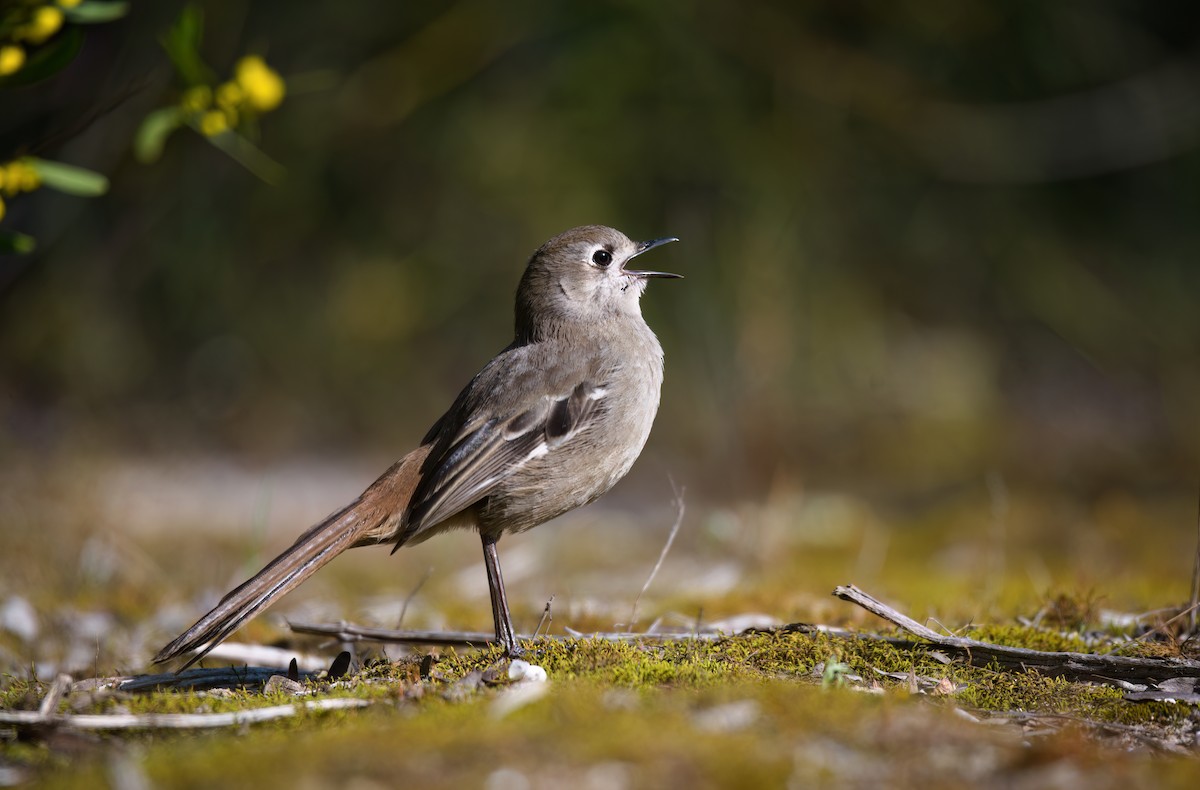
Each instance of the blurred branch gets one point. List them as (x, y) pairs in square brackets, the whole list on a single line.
[(447, 53), (1141, 119)]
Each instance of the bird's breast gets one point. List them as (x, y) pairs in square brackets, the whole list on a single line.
[(584, 468)]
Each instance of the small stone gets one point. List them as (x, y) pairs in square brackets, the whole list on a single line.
[(18, 617), (281, 684), (524, 672), (730, 717)]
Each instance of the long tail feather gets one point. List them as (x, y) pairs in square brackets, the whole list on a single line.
[(373, 518), (315, 548)]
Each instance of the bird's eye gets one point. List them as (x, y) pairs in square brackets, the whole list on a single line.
[(602, 257)]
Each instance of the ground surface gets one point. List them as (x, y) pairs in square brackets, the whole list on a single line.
[(89, 589)]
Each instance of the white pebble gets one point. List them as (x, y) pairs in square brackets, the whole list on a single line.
[(18, 617), (524, 672)]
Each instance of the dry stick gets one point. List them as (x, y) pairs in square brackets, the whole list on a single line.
[(662, 555), (59, 689), (197, 679), (546, 615), (1161, 628), (1076, 666), (349, 632), (172, 721), (411, 595)]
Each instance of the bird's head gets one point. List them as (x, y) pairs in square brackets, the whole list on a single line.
[(582, 275)]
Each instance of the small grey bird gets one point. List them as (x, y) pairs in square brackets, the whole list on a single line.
[(551, 423)]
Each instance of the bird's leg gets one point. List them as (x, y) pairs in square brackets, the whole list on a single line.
[(505, 634)]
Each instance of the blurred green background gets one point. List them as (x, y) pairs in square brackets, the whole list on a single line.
[(925, 242)]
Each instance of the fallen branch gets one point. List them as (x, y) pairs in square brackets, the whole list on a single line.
[(60, 688), (199, 679), (349, 632), (172, 721), (205, 678), (1076, 666)]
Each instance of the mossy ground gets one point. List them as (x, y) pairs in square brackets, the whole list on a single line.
[(754, 710), (764, 709)]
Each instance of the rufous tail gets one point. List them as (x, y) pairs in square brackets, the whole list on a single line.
[(375, 517)]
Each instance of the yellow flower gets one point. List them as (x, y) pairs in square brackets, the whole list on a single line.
[(68, 3), (17, 176), (45, 23), (196, 99), (12, 58), (29, 178), (1, 208), (14, 177), (213, 123), (229, 94), (264, 88)]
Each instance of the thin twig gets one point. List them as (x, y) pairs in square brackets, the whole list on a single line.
[(349, 632), (172, 721), (546, 616), (662, 555), (408, 598), (1161, 628)]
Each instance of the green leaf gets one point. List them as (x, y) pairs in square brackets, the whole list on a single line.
[(68, 178), (91, 12), (249, 156), (153, 133), (11, 241), (48, 59), (182, 43)]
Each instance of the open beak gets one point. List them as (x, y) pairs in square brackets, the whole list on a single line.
[(645, 246)]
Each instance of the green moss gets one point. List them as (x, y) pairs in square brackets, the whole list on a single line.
[(1030, 638), (610, 705), (20, 693), (653, 735), (795, 656)]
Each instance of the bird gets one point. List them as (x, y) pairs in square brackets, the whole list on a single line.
[(550, 424)]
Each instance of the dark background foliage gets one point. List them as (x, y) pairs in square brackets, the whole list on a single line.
[(924, 241)]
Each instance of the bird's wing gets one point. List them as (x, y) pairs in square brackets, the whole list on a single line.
[(484, 453)]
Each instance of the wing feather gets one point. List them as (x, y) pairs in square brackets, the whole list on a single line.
[(480, 457)]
